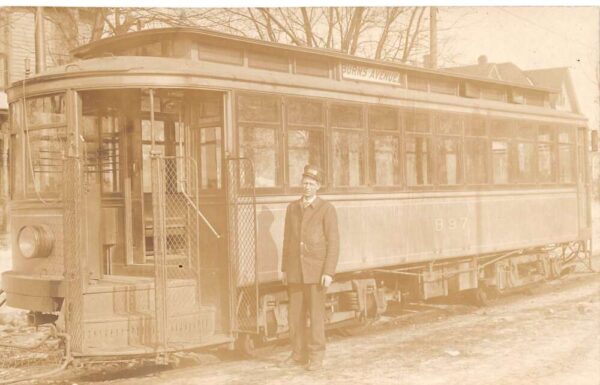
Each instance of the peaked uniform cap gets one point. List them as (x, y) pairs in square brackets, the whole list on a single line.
[(313, 172)]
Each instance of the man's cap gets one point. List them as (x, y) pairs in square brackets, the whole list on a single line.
[(313, 172)]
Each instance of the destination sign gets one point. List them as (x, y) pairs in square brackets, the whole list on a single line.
[(371, 74)]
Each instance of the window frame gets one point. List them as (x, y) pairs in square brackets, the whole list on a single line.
[(429, 134), (294, 126), (470, 121), (26, 129), (396, 132), (278, 127), (364, 186), (437, 143), (553, 143)]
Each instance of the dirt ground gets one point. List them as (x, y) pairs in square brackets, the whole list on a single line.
[(549, 335)]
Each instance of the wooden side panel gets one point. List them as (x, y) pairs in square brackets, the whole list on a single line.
[(385, 232)]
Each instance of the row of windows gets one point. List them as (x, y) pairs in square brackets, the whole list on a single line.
[(279, 62), (389, 147)]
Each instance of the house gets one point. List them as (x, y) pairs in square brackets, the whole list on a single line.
[(559, 79)]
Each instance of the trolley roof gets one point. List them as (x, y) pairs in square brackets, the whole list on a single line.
[(115, 44)]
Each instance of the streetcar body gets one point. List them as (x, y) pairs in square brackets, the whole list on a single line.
[(149, 182)]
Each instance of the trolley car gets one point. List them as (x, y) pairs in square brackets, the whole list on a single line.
[(149, 181)]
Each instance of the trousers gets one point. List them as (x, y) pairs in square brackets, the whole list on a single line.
[(307, 299)]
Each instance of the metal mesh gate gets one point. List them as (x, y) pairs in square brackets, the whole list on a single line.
[(241, 199), (180, 318)]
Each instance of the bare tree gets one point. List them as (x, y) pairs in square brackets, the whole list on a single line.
[(384, 33)]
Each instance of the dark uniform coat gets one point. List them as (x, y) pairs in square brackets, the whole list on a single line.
[(310, 241)]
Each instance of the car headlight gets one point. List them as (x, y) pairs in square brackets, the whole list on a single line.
[(35, 241)]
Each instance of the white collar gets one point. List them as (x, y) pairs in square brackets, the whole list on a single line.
[(309, 202)]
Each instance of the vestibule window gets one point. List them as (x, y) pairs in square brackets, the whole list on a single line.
[(45, 138)]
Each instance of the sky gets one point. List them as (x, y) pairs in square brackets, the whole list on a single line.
[(531, 38)]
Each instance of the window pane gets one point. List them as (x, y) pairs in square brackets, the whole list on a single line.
[(448, 165), (492, 93), (383, 118), (565, 136), (110, 154), (476, 160), (258, 108), (16, 116), (304, 147), (259, 144), (348, 159), (210, 157), (418, 122), (46, 109), (418, 161), (305, 111), (546, 134), (443, 86), (417, 83), (525, 165), (274, 62), (346, 115), (45, 151), (500, 161), (385, 160), (220, 53), (16, 164), (526, 131), (312, 67), (475, 126), (449, 124), (501, 129), (147, 165), (546, 162), (565, 162), (159, 131)]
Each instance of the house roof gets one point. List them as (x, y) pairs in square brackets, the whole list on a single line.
[(549, 77), (506, 72), (558, 78)]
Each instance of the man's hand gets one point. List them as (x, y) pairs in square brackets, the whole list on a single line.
[(326, 280)]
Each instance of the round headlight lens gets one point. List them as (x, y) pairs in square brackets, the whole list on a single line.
[(35, 242)]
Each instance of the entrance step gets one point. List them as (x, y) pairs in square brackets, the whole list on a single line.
[(119, 315)]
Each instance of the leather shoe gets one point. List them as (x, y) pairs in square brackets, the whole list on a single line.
[(290, 362), (314, 365)]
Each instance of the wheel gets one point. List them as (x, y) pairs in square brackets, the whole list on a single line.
[(245, 345)]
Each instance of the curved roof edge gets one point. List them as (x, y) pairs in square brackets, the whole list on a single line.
[(88, 50)]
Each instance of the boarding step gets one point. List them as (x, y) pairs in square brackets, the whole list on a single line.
[(135, 295), (138, 332)]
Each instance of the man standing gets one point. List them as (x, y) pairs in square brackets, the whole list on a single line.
[(309, 258)]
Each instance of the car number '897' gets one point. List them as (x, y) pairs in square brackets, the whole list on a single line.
[(449, 223)]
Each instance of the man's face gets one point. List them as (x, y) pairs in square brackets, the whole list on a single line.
[(309, 187)]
